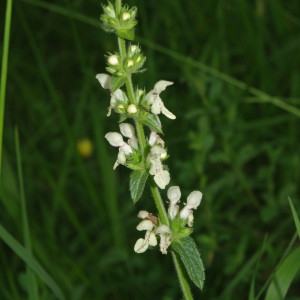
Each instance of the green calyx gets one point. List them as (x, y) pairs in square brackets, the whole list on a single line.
[(122, 23)]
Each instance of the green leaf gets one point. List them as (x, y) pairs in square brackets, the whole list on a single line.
[(190, 256), (127, 34), (284, 276), (117, 82), (295, 216), (27, 257), (153, 122), (137, 184)]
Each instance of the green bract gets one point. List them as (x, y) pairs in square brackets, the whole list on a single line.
[(122, 24)]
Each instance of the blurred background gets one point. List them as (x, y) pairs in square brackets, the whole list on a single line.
[(230, 140)]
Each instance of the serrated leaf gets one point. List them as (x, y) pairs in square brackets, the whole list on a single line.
[(153, 122), (190, 256), (127, 34), (117, 82), (284, 276), (137, 184)]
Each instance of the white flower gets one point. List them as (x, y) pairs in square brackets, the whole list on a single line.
[(174, 195), (116, 140), (128, 131), (117, 96), (165, 237), (143, 214), (154, 99), (155, 139), (142, 245), (193, 201), (161, 176)]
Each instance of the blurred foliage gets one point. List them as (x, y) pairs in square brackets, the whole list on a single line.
[(241, 152)]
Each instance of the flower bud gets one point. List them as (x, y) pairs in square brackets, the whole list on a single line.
[(132, 109), (126, 16), (130, 63), (113, 60)]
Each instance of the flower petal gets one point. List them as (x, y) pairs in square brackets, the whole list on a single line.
[(167, 113), (127, 130), (152, 239), (162, 179), (194, 199), (105, 80), (141, 246), (115, 139), (156, 106), (161, 85), (174, 194), (145, 225)]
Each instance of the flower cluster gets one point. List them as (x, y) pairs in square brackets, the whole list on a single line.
[(178, 220), (193, 201), (149, 224)]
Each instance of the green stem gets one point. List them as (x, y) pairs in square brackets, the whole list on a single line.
[(182, 281), (118, 6), (4, 72)]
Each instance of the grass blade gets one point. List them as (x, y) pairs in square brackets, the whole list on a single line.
[(31, 279), (4, 72), (296, 217), (284, 276), (27, 257)]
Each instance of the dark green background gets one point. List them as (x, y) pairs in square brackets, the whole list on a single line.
[(240, 151)]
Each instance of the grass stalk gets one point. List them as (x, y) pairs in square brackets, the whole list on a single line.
[(4, 66), (31, 279)]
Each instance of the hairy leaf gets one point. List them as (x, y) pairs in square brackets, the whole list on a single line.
[(137, 184), (190, 256), (117, 82), (153, 122)]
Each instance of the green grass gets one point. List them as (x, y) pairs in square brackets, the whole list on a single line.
[(236, 96)]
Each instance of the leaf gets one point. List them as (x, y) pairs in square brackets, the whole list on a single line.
[(137, 184), (284, 276), (295, 216), (117, 82), (27, 257), (127, 34), (190, 256), (153, 122)]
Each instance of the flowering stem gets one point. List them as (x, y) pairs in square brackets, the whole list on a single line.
[(159, 204), (183, 283), (142, 140)]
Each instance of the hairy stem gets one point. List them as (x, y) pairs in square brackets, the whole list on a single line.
[(183, 282)]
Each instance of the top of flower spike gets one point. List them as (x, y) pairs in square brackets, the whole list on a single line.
[(122, 23)]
